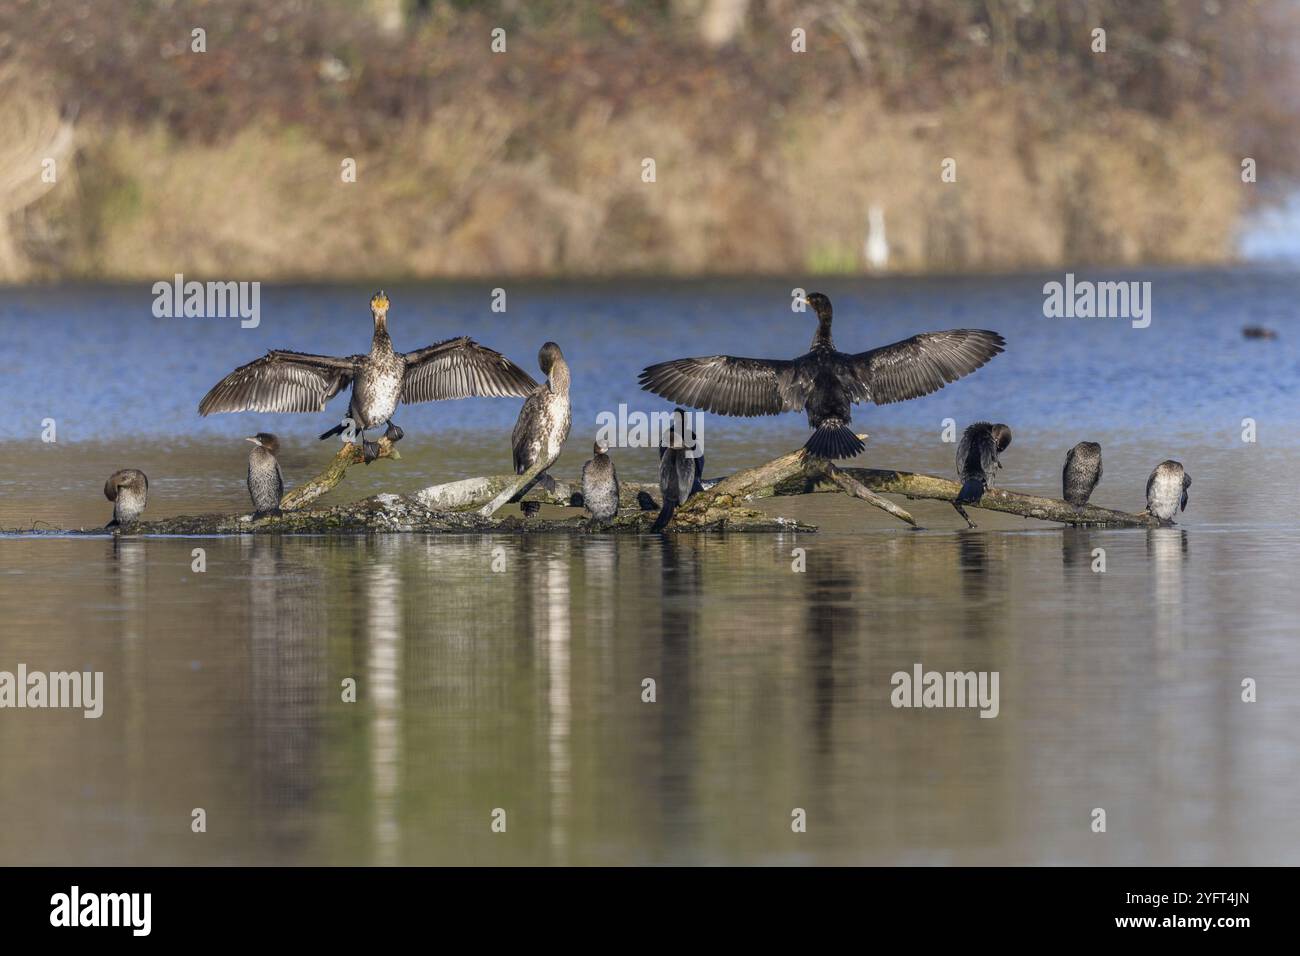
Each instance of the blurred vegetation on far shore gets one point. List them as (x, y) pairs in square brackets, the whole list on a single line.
[(228, 163)]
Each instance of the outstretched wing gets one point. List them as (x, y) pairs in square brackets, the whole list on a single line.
[(461, 368), (924, 363), (728, 385), (281, 381)]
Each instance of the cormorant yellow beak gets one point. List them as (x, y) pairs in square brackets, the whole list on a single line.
[(253, 440), (379, 302)]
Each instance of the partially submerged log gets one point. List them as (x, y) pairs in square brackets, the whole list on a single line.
[(467, 506), (914, 486), (350, 454)]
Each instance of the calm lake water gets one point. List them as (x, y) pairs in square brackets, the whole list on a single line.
[(521, 689)]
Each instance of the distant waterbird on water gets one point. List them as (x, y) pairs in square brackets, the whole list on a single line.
[(978, 458), (1167, 490), (128, 489), (543, 423), (825, 382), (265, 481), (1081, 474), (284, 381)]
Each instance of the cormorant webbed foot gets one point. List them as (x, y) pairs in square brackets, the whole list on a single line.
[(962, 511), (369, 450), (394, 434)]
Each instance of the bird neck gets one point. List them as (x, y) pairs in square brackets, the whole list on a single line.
[(380, 343), (558, 378), (823, 337)]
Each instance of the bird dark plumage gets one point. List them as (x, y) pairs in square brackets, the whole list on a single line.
[(600, 484), (265, 481), (1082, 473), (977, 459), (543, 423), (128, 489), (681, 466), (824, 383), (1167, 490), (284, 381)]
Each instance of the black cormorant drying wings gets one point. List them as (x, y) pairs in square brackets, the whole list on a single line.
[(824, 382)]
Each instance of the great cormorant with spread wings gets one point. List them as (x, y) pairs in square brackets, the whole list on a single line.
[(825, 382), (284, 381)]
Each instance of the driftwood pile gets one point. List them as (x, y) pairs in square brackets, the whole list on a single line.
[(472, 504)]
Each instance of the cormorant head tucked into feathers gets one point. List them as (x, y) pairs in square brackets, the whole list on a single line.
[(821, 305), (600, 448), (132, 479), (1001, 435), (267, 441), (547, 357), (379, 307)]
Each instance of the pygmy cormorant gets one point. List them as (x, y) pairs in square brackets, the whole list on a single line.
[(128, 489), (543, 423), (283, 381), (265, 482), (1082, 473), (977, 459), (825, 382), (600, 484), (679, 472), (1167, 490)]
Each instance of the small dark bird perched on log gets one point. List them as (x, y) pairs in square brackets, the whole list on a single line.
[(265, 482), (1082, 473), (128, 489), (977, 459), (1167, 490), (283, 381), (600, 484), (825, 382), (543, 424), (679, 473)]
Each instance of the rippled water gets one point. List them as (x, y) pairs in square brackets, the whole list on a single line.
[(521, 689)]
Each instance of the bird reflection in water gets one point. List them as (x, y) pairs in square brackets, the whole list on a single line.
[(1167, 552), (383, 593), (829, 606), (680, 590), (551, 628), (983, 585), (285, 628)]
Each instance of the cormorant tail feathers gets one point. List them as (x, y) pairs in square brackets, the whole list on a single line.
[(972, 490), (665, 514), (833, 439)]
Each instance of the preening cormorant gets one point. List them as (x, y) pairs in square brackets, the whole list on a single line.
[(128, 489), (284, 381), (977, 460), (265, 482), (679, 472), (1167, 490), (1082, 473), (600, 484), (543, 423), (825, 383)]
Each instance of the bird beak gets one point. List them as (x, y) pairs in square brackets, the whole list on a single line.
[(253, 440)]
